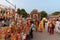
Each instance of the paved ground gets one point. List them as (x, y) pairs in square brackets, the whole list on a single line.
[(46, 36)]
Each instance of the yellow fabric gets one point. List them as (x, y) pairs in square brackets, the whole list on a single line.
[(36, 26), (41, 26)]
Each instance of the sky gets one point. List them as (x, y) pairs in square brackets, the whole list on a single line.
[(49, 6)]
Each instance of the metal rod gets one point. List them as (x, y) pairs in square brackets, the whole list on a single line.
[(11, 4)]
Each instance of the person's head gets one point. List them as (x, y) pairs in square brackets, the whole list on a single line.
[(57, 20), (0, 22), (32, 22)]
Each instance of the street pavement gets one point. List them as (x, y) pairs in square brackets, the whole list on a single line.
[(45, 36)]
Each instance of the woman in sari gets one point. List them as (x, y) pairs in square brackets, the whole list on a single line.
[(36, 25), (41, 26)]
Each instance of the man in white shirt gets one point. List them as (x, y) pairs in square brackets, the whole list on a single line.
[(57, 26)]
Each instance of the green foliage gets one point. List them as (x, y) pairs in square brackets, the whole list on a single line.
[(3, 12), (22, 12), (43, 14), (18, 11), (56, 13)]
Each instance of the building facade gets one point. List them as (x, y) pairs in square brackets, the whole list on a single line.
[(51, 17), (35, 15)]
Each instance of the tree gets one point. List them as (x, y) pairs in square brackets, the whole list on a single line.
[(55, 13), (22, 12), (18, 11), (43, 14)]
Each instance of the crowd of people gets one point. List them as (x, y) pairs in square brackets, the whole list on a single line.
[(15, 28), (51, 26)]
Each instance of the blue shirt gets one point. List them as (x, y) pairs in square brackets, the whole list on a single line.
[(32, 26)]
